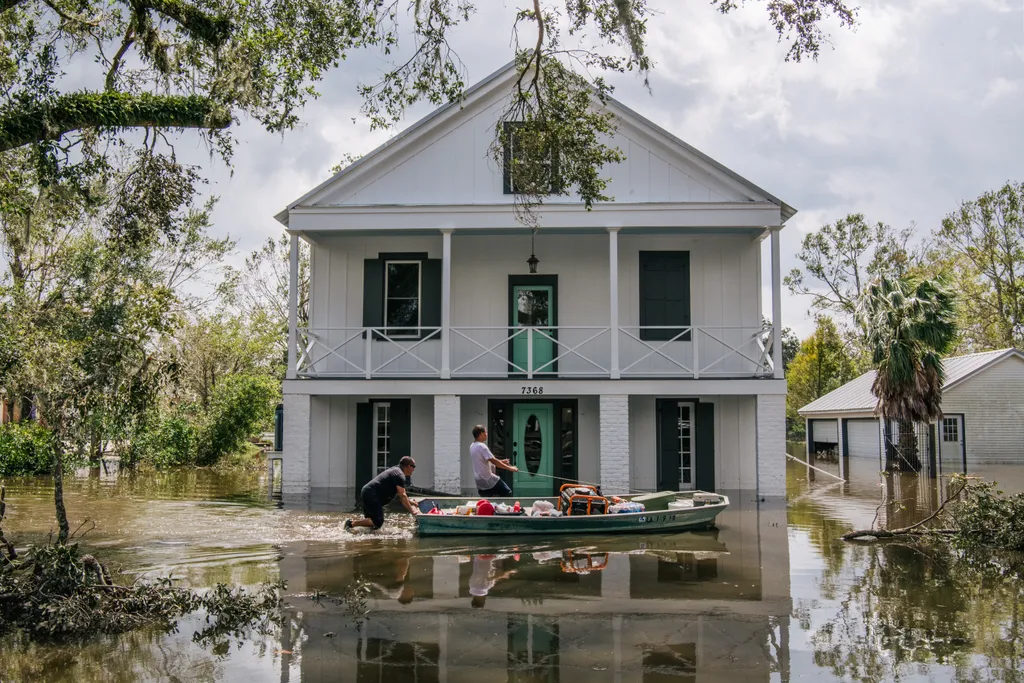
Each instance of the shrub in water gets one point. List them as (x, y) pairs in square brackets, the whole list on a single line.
[(242, 405), (26, 448), (985, 517)]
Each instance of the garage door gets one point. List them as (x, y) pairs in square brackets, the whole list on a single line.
[(825, 431), (863, 438)]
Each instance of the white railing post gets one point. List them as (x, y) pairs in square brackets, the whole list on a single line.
[(529, 352), (446, 302), (777, 305), (293, 306), (695, 333), (368, 353), (613, 276)]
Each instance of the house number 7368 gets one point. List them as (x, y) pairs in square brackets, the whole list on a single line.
[(537, 391)]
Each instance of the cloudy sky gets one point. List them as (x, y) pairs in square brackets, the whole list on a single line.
[(918, 109)]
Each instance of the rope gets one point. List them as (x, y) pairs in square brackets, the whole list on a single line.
[(577, 481), (816, 469)]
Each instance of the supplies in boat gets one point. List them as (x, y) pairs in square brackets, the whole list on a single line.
[(628, 506), (581, 499)]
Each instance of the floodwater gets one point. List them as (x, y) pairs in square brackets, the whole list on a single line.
[(771, 595)]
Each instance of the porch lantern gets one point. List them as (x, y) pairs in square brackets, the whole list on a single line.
[(533, 260)]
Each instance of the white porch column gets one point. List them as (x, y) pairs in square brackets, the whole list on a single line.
[(448, 444), (777, 305), (613, 277), (614, 444), (293, 306), (446, 302), (295, 465), (771, 444)]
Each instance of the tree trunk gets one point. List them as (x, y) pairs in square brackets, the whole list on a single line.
[(58, 495), (910, 459)]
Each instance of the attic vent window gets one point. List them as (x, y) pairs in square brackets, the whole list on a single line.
[(530, 160)]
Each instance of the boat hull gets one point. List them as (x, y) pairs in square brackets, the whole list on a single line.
[(656, 521)]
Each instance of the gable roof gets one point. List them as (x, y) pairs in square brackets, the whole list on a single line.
[(856, 397), (497, 82)]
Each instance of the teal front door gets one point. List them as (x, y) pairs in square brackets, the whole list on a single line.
[(533, 449), (533, 317)]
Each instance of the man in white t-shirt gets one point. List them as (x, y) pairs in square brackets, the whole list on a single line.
[(488, 483)]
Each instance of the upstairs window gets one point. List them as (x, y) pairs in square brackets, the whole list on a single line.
[(402, 298), (529, 159), (665, 295)]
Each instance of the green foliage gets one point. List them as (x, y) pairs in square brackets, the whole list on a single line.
[(840, 259), (55, 591), (910, 325), (980, 249), (241, 406), (985, 517), (26, 448), (822, 364)]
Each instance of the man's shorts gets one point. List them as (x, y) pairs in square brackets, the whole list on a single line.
[(373, 510), (499, 490)]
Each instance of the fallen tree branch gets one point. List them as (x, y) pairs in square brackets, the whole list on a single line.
[(913, 529)]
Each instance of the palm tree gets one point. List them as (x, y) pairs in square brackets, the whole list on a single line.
[(910, 325)]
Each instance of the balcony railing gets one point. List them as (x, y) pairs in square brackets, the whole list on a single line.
[(536, 352)]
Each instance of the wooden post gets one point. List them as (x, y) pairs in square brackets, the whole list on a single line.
[(293, 307), (446, 302), (777, 305), (613, 291)]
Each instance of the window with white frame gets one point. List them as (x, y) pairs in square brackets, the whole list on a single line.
[(403, 284), (382, 435), (951, 429)]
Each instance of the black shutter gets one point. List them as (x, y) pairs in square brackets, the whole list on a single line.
[(430, 298), (373, 293), (401, 430), (705, 446), (664, 293), (668, 445), (364, 444)]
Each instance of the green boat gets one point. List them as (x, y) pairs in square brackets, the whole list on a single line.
[(667, 513)]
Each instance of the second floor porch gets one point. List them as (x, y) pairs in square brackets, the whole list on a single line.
[(599, 304)]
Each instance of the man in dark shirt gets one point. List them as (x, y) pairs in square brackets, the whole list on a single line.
[(379, 492)]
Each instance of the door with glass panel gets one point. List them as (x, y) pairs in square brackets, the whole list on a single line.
[(533, 449), (533, 317)]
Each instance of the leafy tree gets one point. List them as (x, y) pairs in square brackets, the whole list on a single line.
[(910, 326), (176, 64), (242, 404), (259, 290), (980, 248), (842, 258), (207, 348), (822, 364)]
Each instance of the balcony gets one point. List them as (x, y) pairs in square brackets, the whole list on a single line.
[(567, 352)]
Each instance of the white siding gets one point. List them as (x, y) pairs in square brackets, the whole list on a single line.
[(332, 436), (332, 442), (735, 445), (724, 281), (454, 166), (863, 438), (992, 403)]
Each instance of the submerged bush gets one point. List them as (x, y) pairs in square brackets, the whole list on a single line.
[(26, 448), (56, 591), (242, 405), (985, 517)]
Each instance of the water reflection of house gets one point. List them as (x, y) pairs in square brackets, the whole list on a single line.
[(660, 608)]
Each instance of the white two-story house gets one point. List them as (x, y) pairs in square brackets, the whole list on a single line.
[(623, 345)]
